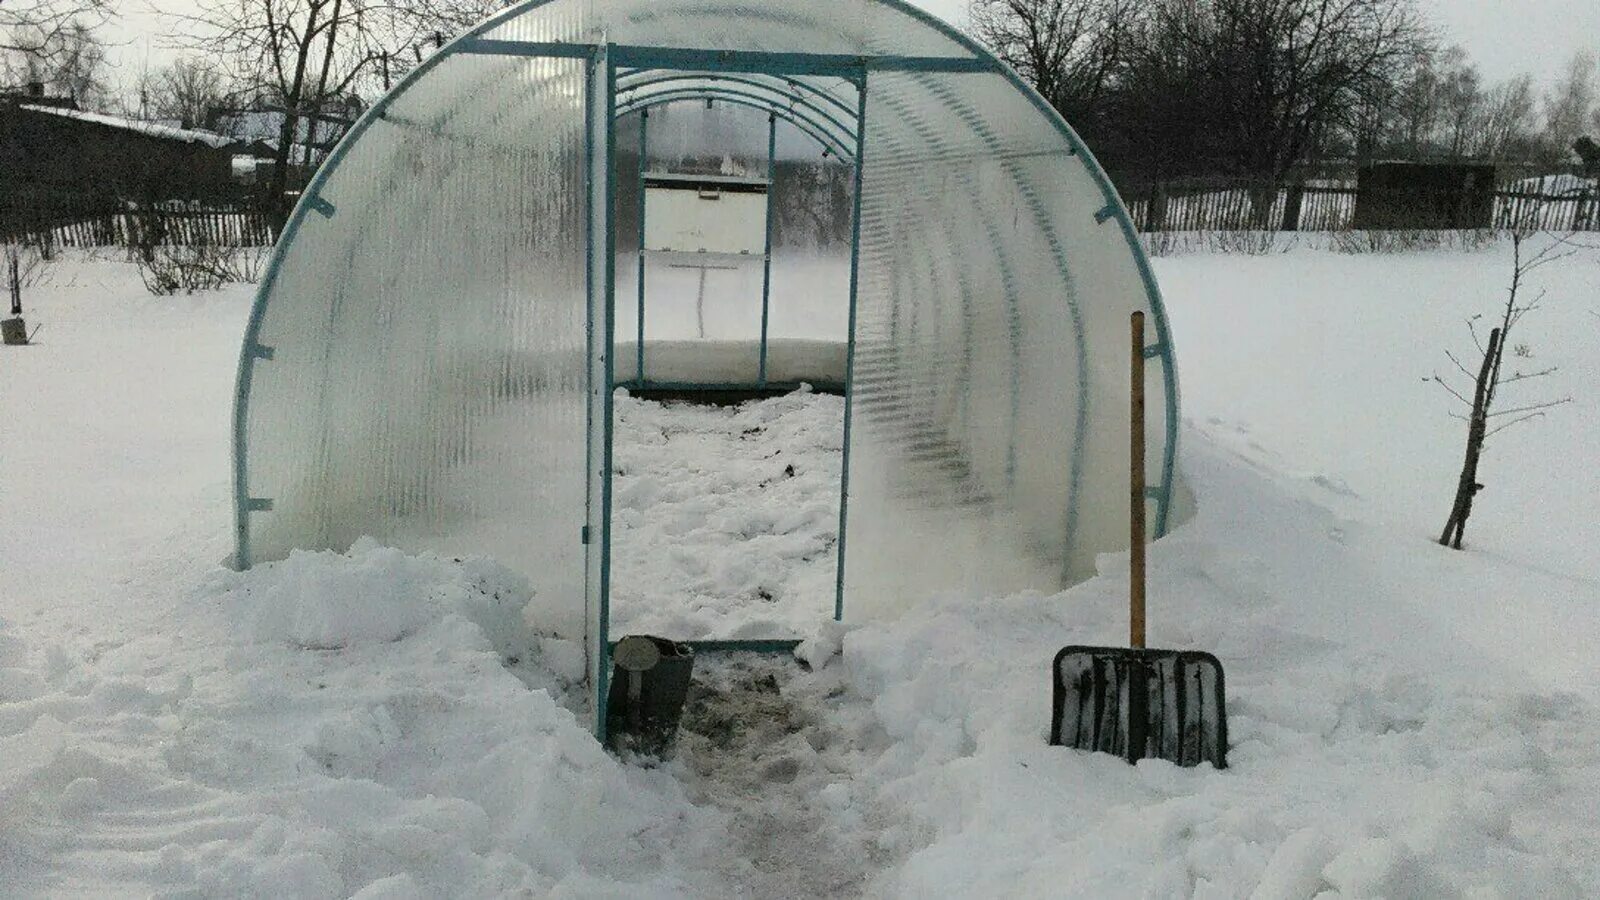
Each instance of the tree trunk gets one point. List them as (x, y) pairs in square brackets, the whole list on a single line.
[(1456, 526), (277, 204)]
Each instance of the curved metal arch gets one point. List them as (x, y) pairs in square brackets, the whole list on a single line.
[(780, 84), (841, 129), (841, 124), (828, 141)]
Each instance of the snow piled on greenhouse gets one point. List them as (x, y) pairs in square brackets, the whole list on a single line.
[(1407, 721)]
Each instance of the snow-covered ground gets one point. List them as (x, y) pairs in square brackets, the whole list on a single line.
[(1406, 720), (724, 519)]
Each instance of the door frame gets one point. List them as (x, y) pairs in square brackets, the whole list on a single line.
[(600, 103)]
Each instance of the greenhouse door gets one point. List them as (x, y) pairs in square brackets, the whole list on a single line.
[(823, 97)]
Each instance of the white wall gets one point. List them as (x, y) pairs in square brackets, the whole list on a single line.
[(710, 222)]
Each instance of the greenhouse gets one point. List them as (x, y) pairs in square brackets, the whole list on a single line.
[(739, 197)]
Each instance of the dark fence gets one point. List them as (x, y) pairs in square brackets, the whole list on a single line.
[(1160, 207), (116, 224), (1326, 206)]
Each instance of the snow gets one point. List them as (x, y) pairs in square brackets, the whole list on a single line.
[(152, 129), (1406, 720), (725, 519)]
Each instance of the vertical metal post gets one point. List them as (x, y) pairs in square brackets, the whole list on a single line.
[(850, 349), (600, 104), (766, 255), (644, 130), (609, 129), (1136, 486)]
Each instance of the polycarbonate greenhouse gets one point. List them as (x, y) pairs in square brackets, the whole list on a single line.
[(433, 354)]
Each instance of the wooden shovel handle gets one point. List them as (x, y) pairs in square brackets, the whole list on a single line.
[(1136, 488)]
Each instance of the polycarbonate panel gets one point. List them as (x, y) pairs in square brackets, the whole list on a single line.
[(427, 371), (988, 439), (812, 197), (429, 377), (855, 27)]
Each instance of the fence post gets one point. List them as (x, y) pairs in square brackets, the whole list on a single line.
[(1291, 207), (1155, 208)]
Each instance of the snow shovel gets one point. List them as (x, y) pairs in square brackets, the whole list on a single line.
[(1135, 702)]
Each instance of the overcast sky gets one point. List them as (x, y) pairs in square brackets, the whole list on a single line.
[(1504, 37)]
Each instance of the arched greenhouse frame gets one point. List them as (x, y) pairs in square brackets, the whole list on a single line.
[(432, 355)]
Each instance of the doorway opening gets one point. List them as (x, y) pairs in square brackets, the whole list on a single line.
[(732, 237)]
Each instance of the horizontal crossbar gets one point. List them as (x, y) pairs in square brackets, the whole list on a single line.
[(768, 645), (837, 65), (491, 47), (758, 645)]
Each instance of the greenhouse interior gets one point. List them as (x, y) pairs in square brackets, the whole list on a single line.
[(582, 200)]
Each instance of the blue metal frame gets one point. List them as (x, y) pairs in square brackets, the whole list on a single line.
[(603, 678), (786, 92), (638, 80), (644, 130), (851, 68), (741, 98), (734, 645), (766, 252), (588, 393), (761, 62), (850, 349), (732, 387), (473, 42)]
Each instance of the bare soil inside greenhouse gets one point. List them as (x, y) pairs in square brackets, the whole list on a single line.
[(1405, 720)]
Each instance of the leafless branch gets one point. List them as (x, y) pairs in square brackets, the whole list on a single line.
[(1453, 392), (1459, 367), (1502, 427), (1524, 376), (1529, 408)]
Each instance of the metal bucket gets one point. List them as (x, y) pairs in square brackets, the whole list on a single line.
[(649, 684)]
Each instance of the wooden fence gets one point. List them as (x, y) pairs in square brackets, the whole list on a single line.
[(1164, 207), (232, 224), (1210, 206)]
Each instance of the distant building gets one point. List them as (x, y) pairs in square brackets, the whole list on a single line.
[(57, 161), (259, 127), (1412, 195)]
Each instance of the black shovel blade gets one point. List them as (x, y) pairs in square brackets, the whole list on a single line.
[(1141, 704)]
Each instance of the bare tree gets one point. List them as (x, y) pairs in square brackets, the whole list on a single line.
[(1570, 105), (1254, 88), (1292, 69), (185, 91), (1484, 419), (68, 59), (1069, 50), (1461, 102), (307, 54), (1509, 123), (301, 53), (1416, 107), (33, 27)]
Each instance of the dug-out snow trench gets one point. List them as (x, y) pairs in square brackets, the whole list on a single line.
[(725, 524), (778, 749), (725, 519)]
